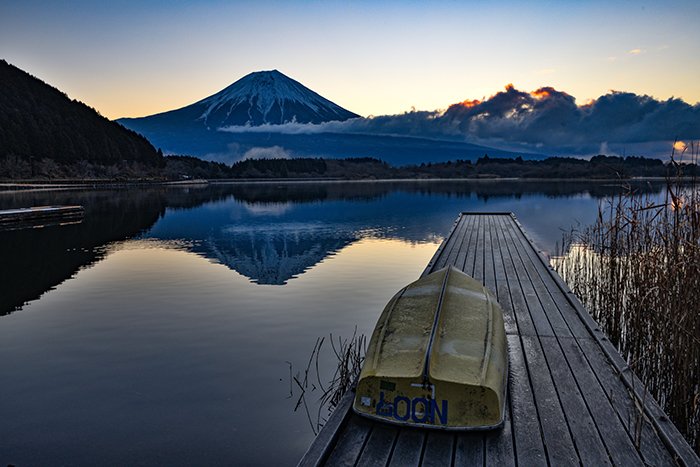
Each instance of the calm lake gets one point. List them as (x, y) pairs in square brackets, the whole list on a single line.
[(159, 329)]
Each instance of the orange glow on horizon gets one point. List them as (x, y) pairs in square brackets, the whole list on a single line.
[(677, 202), (541, 93), (680, 146), (470, 103)]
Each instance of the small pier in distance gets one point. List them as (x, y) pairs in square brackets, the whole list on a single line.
[(572, 399), (40, 216)]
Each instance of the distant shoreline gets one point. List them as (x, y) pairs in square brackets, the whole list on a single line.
[(50, 185), (431, 180)]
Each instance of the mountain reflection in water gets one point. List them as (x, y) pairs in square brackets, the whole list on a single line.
[(268, 232), (279, 251)]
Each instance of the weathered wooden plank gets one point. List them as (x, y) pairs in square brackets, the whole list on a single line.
[(499, 443), (619, 443), (39, 212), (40, 216), (584, 432), (379, 446), (452, 242), (529, 446), (489, 274), (682, 451), (460, 244), (558, 296), (650, 445), (469, 242), (555, 430), (521, 317), (350, 442), (521, 282), (502, 290), (541, 299), (478, 268), (325, 440), (409, 448), (471, 252), (489, 268), (439, 449), (438, 253), (469, 449)]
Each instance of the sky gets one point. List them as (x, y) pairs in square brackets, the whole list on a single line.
[(136, 58)]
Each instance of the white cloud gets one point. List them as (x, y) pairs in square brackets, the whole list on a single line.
[(272, 152)]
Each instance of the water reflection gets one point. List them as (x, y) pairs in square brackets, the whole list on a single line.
[(156, 332), (271, 232), (36, 260), (277, 252)]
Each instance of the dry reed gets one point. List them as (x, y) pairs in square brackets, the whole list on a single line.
[(349, 355), (637, 270)]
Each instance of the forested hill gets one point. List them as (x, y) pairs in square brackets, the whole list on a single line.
[(41, 125)]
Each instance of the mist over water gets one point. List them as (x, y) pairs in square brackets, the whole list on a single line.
[(157, 331)]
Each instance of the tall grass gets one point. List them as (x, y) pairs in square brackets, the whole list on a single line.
[(637, 270)]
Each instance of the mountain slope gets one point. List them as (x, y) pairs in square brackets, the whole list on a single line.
[(37, 121), (264, 97)]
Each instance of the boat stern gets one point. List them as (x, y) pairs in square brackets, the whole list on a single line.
[(443, 405)]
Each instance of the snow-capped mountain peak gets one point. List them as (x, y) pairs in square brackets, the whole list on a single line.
[(267, 97)]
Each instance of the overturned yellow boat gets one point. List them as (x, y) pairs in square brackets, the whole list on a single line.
[(438, 357)]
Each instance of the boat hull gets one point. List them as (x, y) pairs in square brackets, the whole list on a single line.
[(437, 358)]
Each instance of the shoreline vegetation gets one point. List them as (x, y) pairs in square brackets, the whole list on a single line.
[(637, 271), (187, 169)]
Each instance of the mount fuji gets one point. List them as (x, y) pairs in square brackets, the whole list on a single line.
[(258, 102), (263, 97)]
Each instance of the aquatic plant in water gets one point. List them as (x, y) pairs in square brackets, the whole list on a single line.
[(348, 356)]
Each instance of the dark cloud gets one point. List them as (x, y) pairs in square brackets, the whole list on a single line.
[(551, 120), (545, 120)]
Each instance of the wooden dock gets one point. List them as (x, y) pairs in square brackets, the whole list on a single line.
[(40, 216), (572, 400)]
